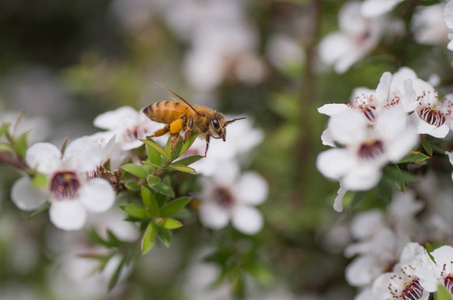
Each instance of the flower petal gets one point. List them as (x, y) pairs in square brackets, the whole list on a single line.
[(67, 215), (45, 157), (332, 109), (338, 203), (212, 216), (110, 120), (252, 188), (362, 178), (334, 163), (383, 88), (448, 14), (26, 196), (97, 195), (248, 220), (84, 154)]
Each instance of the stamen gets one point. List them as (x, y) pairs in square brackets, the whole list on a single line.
[(224, 198), (65, 185), (371, 149), (432, 116), (448, 283), (414, 291)]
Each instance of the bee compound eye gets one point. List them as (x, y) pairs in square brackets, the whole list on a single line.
[(215, 123)]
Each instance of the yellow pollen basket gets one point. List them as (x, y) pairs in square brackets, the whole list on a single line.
[(176, 126)]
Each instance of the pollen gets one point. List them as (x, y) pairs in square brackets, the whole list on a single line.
[(176, 126), (371, 149)]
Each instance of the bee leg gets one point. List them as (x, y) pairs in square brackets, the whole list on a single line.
[(174, 140), (207, 144), (189, 130), (161, 131)]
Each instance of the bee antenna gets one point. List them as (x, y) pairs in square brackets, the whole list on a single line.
[(231, 121)]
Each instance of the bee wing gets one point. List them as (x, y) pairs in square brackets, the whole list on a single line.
[(178, 98)]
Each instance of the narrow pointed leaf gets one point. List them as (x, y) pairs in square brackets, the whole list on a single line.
[(189, 160), (132, 185), (177, 150), (39, 210), (174, 206), (187, 144), (150, 202), (415, 157), (428, 148), (4, 128), (135, 170), (171, 224), (149, 237), (152, 180), (21, 144), (442, 293), (136, 211), (165, 236), (158, 148), (151, 164), (154, 156), (183, 168), (164, 189), (114, 279)]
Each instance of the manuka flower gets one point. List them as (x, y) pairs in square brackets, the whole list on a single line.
[(69, 189), (412, 278), (443, 258), (230, 195), (365, 149)]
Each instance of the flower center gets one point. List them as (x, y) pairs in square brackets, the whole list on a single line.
[(413, 291), (371, 149), (224, 198), (64, 185), (133, 134), (448, 282), (431, 116)]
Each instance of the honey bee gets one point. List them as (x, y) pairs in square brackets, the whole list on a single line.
[(180, 115)]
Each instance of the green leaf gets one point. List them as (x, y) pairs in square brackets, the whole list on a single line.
[(384, 189), (151, 164), (114, 279), (442, 293), (189, 160), (97, 239), (39, 210), (158, 148), (135, 170), (136, 211), (187, 144), (152, 179), (415, 157), (400, 177), (154, 156), (6, 147), (164, 189), (150, 202), (165, 236), (174, 206), (4, 128), (20, 144), (183, 168), (177, 150), (40, 180), (428, 148), (149, 237), (132, 185), (114, 241), (259, 270), (171, 224)]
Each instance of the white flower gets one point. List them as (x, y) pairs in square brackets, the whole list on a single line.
[(412, 278), (128, 125), (374, 8), (284, 52), (357, 37), (366, 149), (443, 257), (429, 25), (71, 193), (229, 195), (431, 115), (448, 15)]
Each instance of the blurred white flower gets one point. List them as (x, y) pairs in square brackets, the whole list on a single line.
[(69, 190), (39, 127), (230, 195), (428, 25), (241, 138), (413, 277), (443, 257), (284, 52), (448, 15), (358, 36), (374, 8), (366, 149), (128, 125)]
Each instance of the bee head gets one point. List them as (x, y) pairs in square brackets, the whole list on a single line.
[(217, 126)]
